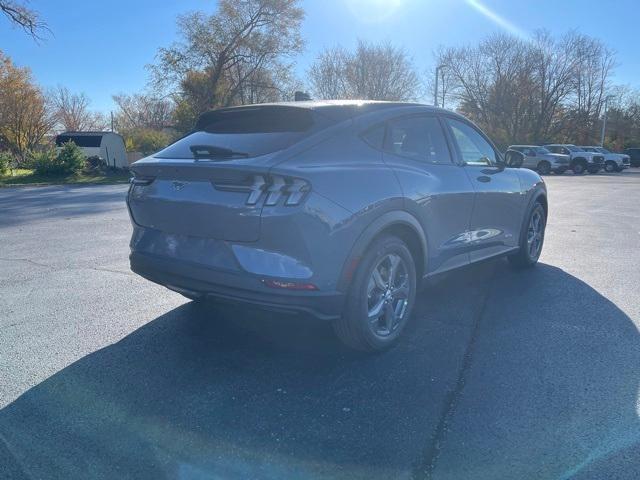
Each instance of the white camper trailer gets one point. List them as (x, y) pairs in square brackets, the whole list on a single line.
[(107, 145)]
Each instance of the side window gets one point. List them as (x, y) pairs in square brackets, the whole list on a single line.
[(474, 148), (374, 136), (419, 138), (564, 151)]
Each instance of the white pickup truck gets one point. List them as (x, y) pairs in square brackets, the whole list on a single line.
[(581, 161), (613, 162)]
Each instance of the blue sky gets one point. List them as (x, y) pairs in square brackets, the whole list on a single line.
[(101, 48)]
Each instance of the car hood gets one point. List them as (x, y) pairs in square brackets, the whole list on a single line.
[(615, 156)]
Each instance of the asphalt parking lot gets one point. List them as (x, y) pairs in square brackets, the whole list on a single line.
[(503, 374)]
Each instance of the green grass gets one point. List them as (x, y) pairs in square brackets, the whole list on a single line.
[(23, 176)]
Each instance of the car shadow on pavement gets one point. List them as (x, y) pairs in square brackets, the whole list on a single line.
[(231, 393)]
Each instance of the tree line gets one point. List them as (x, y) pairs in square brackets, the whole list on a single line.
[(538, 90)]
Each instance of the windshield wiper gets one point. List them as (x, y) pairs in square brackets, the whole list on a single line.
[(211, 151)]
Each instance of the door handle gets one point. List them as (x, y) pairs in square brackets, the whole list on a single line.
[(484, 179)]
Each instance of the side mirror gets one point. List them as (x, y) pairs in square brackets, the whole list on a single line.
[(513, 159)]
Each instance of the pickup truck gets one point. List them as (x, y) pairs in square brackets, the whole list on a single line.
[(613, 162), (580, 161)]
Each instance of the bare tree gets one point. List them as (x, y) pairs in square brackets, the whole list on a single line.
[(328, 74), (531, 91), (72, 111), (143, 111), (371, 72), (594, 63), (223, 57), (19, 14)]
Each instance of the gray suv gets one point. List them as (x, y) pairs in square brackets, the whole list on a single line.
[(336, 209), (581, 160), (542, 160)]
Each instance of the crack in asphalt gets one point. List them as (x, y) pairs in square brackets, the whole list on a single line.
[(27, 260), (425, 470), (53, 269)]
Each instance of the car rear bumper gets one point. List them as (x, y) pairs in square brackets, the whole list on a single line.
[(197, 280)]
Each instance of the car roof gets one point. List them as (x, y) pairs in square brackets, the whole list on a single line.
[(526, 146), (338, 110)]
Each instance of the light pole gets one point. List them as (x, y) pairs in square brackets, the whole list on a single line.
[(604, 119), (435, 93)]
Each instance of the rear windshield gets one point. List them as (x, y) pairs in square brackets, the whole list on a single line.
[(247, 131)]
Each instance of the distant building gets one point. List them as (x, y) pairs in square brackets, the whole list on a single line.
[(108, 146)]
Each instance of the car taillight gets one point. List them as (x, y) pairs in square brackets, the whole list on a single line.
[(270, 188), (293, 190), (140, 181)]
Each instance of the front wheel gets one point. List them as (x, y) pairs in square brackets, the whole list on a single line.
[(381, 297), (610, 167), (544, 168), (531, 239), (578, 168)]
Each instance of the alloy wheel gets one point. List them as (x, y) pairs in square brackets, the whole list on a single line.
[(388, 295), (535, 234)]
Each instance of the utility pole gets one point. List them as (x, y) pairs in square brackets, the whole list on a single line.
[(435, 93), (604, 119), (112, 121)]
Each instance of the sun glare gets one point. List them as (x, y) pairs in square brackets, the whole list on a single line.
[(374, 11), (497, 19)]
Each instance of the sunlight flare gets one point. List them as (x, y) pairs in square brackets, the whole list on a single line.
[(498, 19), (374, 11)]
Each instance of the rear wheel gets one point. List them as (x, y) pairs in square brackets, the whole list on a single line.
[(610, 167), (381, 297), (544, 168), (578, 168), (531, 239)]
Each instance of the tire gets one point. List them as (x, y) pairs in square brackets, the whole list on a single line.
[(579, 168), (610, 167), (370, 297), (544, 168), (526, 256)]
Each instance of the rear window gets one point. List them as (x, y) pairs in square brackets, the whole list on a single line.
[(249, 131), (86, 141)]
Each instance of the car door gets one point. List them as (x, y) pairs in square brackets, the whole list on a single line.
[(436, 190), (497, 215), (530, 160)]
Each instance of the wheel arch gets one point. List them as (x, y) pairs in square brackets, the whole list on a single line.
[(399, 223), (539, 196)]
